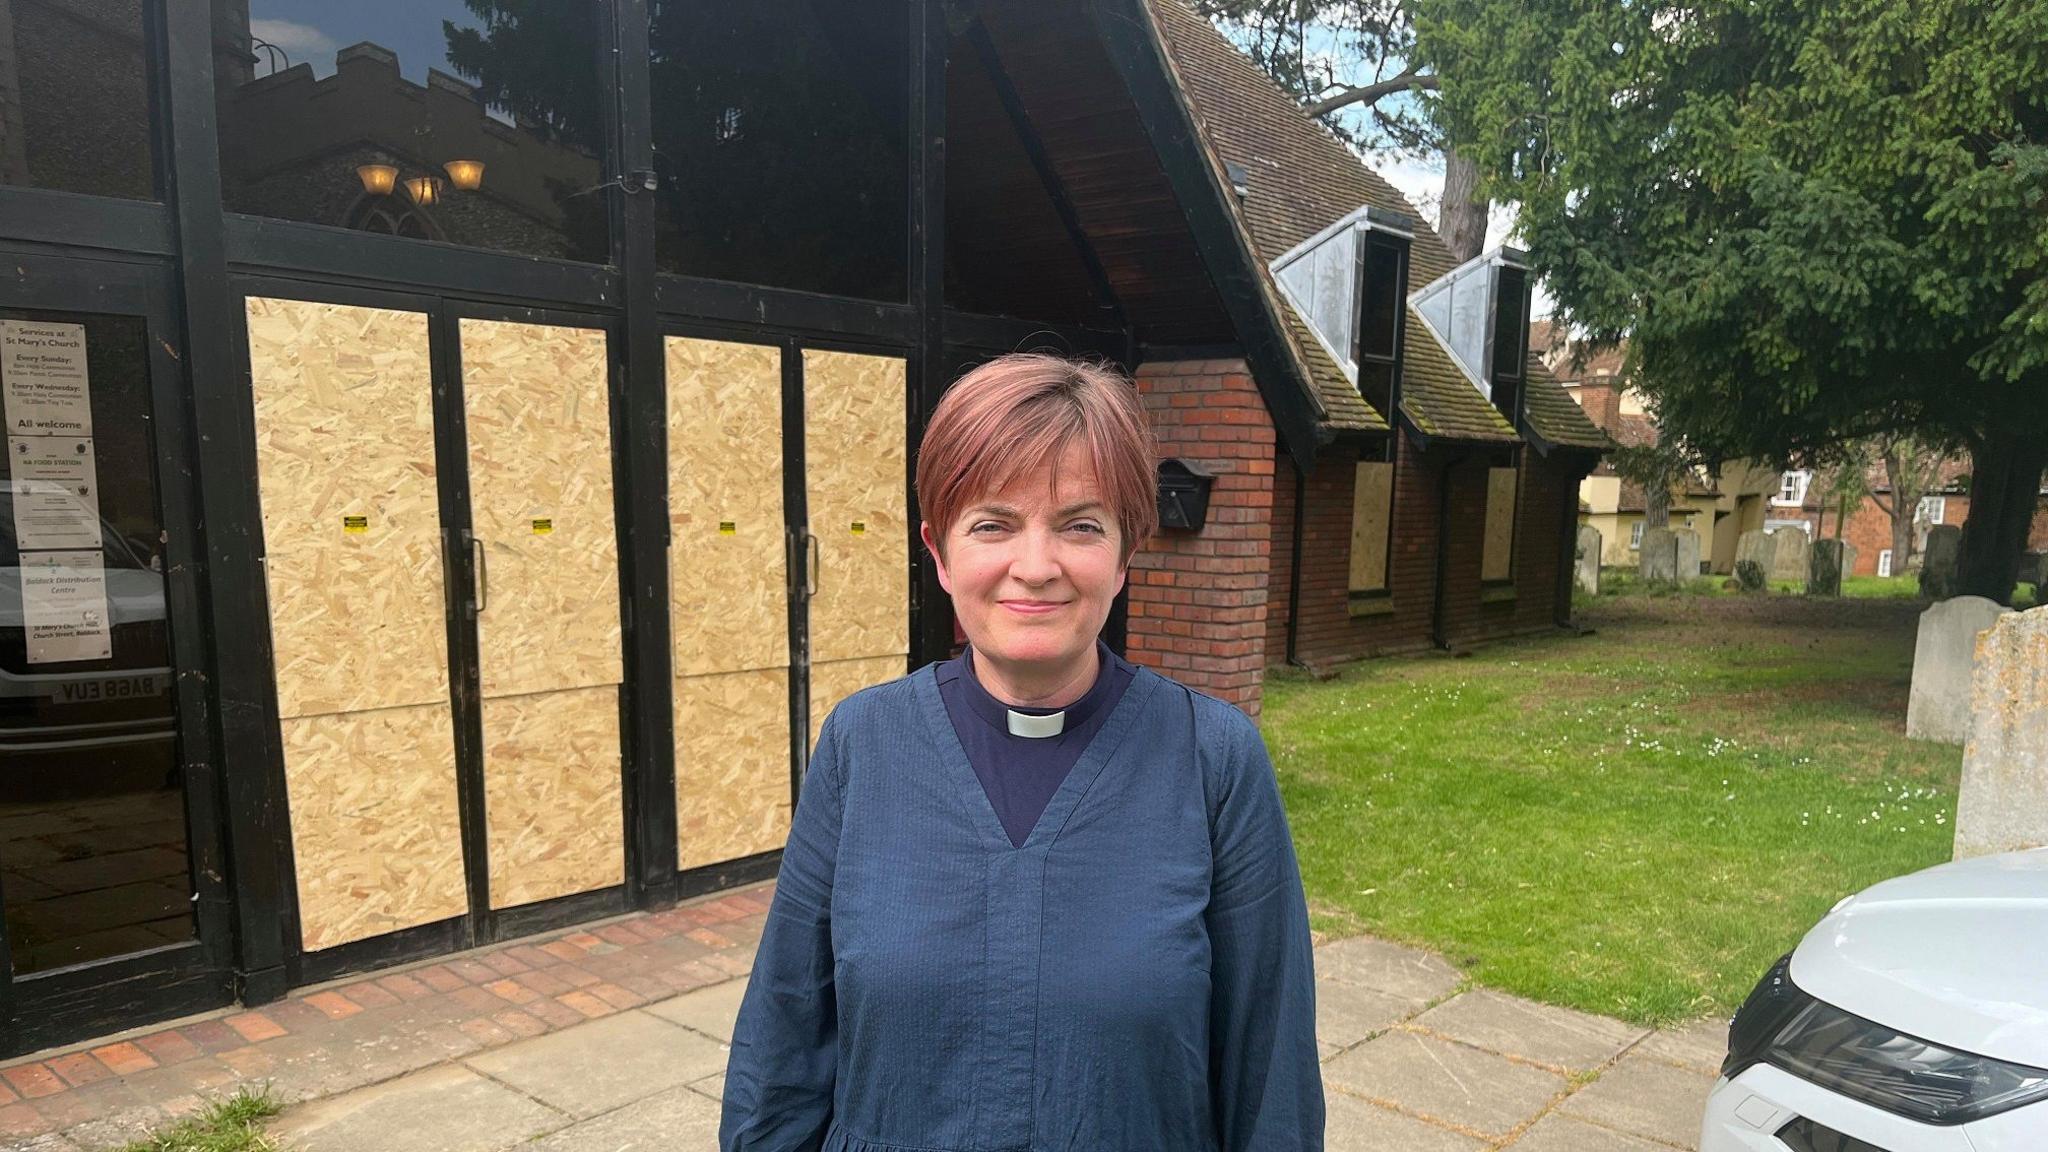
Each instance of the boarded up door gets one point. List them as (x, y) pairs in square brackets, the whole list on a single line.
[(352, 539), (855, 486), (540, 484), (729, 600)]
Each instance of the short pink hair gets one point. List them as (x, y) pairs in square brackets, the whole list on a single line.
[(1020, 413)]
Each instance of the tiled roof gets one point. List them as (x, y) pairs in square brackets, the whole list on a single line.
[(1555, 416), (1300, 179)]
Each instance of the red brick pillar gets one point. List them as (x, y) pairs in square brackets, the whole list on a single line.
[(1198, 599)]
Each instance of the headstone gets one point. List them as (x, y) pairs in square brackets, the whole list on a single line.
[(1939, 707), (1750, 576), (2004, 802), (1588, 568), (1824, 568), (1848, 559), (1789, 548), (1938, 562), (1756, 545), (1687, 562), (2033, 568), (1658, 561)]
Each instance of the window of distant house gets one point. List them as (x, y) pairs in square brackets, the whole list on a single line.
[(472, 122), (781, 139), (74, 98), (1792, 489), (1635, 536), (1932, 510), (1496, 559), (1884, 562)]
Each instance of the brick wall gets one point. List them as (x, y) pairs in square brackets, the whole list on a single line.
[(1198, 600)]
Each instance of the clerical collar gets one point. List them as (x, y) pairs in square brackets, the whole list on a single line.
[(1036, 723)]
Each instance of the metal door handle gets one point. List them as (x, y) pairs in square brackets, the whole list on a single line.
[(811, 564), (482, 560)]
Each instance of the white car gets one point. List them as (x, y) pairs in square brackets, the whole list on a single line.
[(1913, 1018)]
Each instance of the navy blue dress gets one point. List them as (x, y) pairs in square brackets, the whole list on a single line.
[(1135, 977)]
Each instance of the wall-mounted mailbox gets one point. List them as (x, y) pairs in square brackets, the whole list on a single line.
[(1183, 494)]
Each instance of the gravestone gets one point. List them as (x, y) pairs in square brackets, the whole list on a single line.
[(1848, 559), (1824, 568), (2033, 567), (1687, 562), (1939, 707), (1750, 576), (1938, 562), (1658, 561), (1789, 548), (1757, 545), (1587, 571), (2004, 802)]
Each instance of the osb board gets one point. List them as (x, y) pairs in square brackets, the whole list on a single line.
[(854, 460), (344, 402), (540, 491), (1372, 500), (375, 838), (835, 681), (551, 794), (728, 571), (1496, 561), (732, 765)]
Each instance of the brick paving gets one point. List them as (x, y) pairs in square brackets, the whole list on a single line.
[(614, 1035)]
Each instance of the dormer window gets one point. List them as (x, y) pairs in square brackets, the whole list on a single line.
[(1348, 282), (1480, 313)]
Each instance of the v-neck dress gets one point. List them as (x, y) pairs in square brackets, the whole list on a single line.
[(1136, 977)]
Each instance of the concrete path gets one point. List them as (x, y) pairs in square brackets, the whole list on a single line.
[(614, 1040)]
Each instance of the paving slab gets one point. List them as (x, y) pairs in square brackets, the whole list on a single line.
[(1348, 1013), (708, 1010), (1560, 1133), (1465, 1087), (1513, 1026), (677, 1120), (604, 1064), (1700, 1046), (711, 1086), (1384, 967), (1353, 1125), (449, 1109), (1647, 1098)]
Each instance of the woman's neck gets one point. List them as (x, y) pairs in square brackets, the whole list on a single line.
[(1032, 686)]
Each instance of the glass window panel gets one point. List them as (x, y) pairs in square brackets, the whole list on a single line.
[(74, 97), (92, 808), (781, 130), (473, 122)]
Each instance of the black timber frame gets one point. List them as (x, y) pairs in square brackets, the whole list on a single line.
[(208, 257)]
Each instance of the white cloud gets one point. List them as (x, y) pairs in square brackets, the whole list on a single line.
[(301, 44)]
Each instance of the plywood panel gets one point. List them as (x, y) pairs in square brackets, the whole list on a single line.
[(732, 765), (375, 838), (835, 681), (1372, 501), (1497, 560), (351, 518), (551, 794), (540, 482), (854, 456), (728, 572)]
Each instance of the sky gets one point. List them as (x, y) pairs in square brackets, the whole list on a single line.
[(311, 31)]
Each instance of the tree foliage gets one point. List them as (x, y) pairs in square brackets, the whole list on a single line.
[(1815, 222)]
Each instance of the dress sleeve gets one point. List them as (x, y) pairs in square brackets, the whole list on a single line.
[(778, 1079), (1265, 1080)]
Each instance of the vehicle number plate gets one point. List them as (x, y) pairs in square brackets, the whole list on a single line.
[(111, 688)]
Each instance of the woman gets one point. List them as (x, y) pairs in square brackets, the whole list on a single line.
[(1034, 897)]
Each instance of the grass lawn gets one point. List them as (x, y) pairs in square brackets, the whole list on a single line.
[(1635, 822)]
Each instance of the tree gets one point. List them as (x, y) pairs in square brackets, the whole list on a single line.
[(1816, 222), (1912, 466), (1340, 56)]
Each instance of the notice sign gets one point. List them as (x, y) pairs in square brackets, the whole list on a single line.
[(56, 494), (64, 607), (42, 369)]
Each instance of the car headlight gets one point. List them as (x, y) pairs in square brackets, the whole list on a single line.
[(1783, 1026)]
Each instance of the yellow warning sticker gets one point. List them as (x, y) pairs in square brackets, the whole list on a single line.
[(860, 527), (543, 527), (727, 528), (355, 524)]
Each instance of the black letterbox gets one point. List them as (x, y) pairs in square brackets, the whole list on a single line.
[(1183, 494)]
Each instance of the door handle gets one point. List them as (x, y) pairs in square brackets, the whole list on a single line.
[(811, 564)]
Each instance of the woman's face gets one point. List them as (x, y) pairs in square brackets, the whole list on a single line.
[(1032, 572)]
